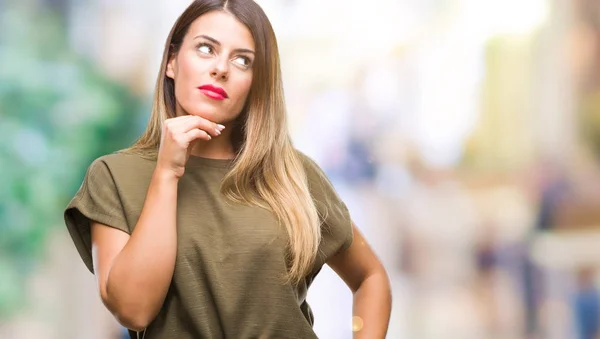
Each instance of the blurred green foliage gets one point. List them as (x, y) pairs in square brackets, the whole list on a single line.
[(57, 113)]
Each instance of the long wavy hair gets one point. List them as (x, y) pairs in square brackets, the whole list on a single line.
[(267, 170)]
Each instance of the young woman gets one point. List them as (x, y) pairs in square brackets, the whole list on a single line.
[(212, 225)]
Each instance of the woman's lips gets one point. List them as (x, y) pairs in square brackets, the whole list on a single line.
[(213, 92)]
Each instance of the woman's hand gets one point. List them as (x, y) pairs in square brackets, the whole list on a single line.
[(178, 138)]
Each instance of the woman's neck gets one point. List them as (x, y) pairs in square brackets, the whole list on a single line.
[(217, 148)]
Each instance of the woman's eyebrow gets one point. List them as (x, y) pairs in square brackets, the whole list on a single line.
[(216, 42)]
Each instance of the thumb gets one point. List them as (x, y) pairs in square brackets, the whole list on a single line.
[(191, 146)]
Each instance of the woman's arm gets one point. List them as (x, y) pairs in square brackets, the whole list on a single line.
[(362, 271), (134, 272)]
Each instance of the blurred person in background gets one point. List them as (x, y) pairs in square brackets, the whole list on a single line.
[(553, 190), (586, 305), (212, 224)]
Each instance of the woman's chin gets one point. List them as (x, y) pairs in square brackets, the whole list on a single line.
[(208, 113), (214, 115)]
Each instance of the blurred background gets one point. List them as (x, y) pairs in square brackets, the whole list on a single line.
[(464, 135)]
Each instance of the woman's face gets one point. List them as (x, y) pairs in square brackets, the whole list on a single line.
[(212, 71)]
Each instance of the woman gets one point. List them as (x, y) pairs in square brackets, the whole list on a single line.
[(212, 225)]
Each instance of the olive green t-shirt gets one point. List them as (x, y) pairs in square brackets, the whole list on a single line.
[(230, 257)]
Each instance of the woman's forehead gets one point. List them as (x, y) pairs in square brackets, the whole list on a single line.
[(223, 27)]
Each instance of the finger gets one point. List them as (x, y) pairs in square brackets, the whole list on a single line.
[(186, 123), (174, 126), (196, 134), (177, 123), (203, 124)]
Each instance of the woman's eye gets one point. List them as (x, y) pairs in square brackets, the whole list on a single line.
[(206, 49), (242, 61)]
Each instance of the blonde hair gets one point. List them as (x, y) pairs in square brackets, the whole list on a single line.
[(267, 170)]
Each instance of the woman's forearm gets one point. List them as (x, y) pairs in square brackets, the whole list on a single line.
[(140, 276), (372, 307)]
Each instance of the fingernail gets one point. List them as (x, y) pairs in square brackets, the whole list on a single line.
[(218, 131), (220, 127), (209, 137)]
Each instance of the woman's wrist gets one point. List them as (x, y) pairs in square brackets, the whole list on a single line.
[(165, 175)]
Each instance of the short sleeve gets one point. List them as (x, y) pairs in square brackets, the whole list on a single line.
[(97, 200), (337, 224)]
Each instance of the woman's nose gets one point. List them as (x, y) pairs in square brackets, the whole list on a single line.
[(220, 70)]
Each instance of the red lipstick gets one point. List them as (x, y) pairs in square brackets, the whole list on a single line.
[(213, 92)]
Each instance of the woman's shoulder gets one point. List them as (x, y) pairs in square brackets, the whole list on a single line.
[(123, 163), (313, 171), (307, 162), (127, 157)]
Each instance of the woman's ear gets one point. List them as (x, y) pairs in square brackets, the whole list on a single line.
[(171, 66)]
